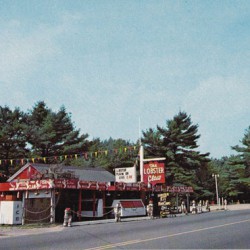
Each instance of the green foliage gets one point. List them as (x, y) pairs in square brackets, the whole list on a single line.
[(43, 133), (233, 181), (12, 136), (177, 142), (52, 133), (108, 154), (240, 169)]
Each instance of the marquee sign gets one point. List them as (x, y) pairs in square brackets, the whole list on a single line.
[(154, 172)]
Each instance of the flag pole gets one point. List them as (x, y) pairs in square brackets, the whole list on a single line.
[(141, 152)]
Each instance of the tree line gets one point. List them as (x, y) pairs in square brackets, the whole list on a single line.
[(41, 132)]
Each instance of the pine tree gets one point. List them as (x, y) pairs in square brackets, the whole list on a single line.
[(241, 166), (12, 138), (177, 142), (53, 133)]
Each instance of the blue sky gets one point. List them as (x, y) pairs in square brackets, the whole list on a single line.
[(110, 62)]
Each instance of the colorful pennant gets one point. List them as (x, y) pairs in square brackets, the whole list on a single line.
[(85, 155)]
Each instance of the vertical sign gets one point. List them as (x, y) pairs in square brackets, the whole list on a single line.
[(153, 173), (17, 212)]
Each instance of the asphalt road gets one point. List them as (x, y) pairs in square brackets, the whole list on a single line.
[(215, 230)]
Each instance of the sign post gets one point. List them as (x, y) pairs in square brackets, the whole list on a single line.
[(141, 161)]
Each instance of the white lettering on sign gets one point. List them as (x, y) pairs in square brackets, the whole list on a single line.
[(153, 170), (154, 178), (31, 185), (153, 173)]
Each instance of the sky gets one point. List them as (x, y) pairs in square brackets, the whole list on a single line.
[(113, 63)]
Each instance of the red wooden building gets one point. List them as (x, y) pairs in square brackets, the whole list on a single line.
[(44, 191)]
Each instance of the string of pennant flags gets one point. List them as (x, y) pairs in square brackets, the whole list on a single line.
[(85, 155)]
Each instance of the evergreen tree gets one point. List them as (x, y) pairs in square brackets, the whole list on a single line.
[(232, 181), (241, 167), (12, 138), (53, 133), (177, 142)]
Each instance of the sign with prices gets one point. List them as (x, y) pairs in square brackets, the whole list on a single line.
[(126, 175)]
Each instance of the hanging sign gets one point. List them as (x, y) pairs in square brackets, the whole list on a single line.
[(154, 172)]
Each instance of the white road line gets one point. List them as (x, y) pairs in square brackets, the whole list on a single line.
[(164, 236)]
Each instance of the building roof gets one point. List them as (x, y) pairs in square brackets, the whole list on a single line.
[(83, 174)]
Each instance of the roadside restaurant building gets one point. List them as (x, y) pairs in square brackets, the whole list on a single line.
[(39, 193)]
